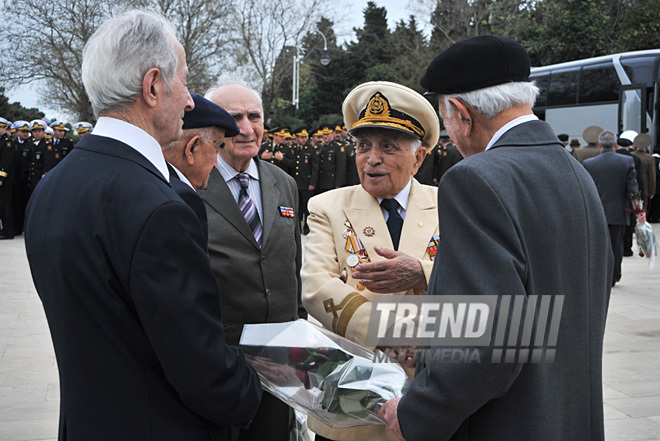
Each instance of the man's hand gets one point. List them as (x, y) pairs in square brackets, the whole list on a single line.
[(279, 156), (266, 154), (400, 272), (641, 218), (388, 414), (310, 187)]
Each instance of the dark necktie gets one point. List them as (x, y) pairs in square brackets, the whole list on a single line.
[(394, 222), (249, 208)]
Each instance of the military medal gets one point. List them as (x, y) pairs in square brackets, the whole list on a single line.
[(287, 212), (432, 248), (369, 231), (354, 246)]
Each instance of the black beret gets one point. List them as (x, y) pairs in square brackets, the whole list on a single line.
[(208, 114), (476, 63)]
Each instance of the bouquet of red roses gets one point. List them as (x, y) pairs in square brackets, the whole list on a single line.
[(320, 373)]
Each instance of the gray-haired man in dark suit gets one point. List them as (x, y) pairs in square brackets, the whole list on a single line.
[(254, 238), (616, 180), (517, 216)]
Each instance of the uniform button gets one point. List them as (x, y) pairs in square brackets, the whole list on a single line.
[(268, 292), (263, 259)]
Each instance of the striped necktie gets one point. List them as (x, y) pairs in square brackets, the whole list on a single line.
[(249, 208)]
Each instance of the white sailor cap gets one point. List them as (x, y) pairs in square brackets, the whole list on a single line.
[(38, 124), (21, 125), (58, 125), (83, 127)]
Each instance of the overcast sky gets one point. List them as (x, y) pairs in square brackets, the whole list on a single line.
[(28, 96)]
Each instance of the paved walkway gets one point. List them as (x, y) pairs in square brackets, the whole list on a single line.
[(29, 394)]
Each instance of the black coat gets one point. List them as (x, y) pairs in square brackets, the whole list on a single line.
[(615, 178), (7, 160), (132, 304), (332, 172), (520, 219)]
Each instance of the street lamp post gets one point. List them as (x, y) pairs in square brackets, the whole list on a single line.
[(324, 60)]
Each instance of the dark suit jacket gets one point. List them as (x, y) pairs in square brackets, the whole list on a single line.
[(518, 220), (132, 304), (191, 198), (639, 171), (615, 178), (261, 285)]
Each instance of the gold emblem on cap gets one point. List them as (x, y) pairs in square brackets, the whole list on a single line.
[(378, 106)]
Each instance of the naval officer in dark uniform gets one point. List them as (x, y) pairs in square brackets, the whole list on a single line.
[(333, 162), (306, 172), (60, 141)]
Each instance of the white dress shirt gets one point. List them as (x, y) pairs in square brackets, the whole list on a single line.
[(508, 126), (134, 137), (230, 175), (402, 199)]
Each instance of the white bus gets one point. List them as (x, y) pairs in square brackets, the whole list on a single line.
[(616, 92)]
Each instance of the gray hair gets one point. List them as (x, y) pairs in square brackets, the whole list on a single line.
[(234, 78), (492, 100), (607, 139), (415, 143), (120, 53)]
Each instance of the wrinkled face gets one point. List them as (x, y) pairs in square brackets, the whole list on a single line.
[(168, 120), (38, 134), (244, 106), (58, 134), (384, 161), (205, 154)]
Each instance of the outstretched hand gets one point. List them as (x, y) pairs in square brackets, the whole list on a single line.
[(399, 272)]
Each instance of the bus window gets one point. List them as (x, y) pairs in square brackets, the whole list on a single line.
[(542, 83), (640, 69), (631, 105), (599, 83), (563, 87)]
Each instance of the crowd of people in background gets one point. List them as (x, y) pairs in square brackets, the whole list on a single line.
[(28, 151), (174, 224)]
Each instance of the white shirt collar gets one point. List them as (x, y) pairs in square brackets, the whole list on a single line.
[(402, 197), (228, 172), (136, 138), (508, 126), (182, 177)]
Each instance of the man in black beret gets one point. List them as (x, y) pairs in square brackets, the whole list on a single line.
[(518, 217), (191, 158)]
